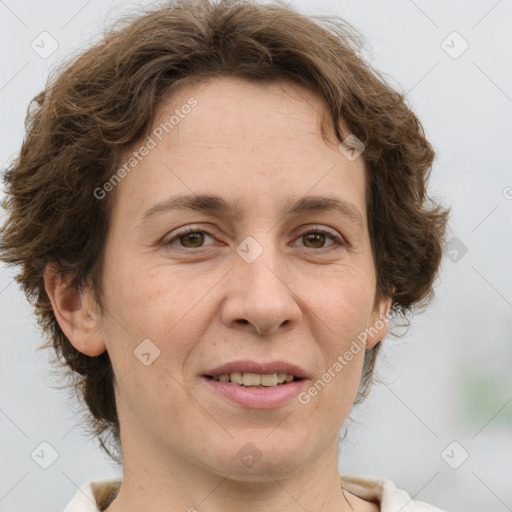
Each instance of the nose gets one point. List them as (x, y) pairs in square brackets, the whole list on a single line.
[(260, 295)]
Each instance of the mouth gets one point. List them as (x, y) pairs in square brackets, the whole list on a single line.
[(255, 380), (257, 385), (257, 374)]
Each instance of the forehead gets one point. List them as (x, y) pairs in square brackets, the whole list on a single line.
[(241, 107), (246, 141)]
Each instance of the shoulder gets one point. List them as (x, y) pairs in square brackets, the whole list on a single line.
[(384, 492), (94, 496)]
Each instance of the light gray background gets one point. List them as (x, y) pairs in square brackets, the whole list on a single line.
[(448, 380)]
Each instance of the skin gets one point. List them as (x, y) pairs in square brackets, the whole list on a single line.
[(302, 300)]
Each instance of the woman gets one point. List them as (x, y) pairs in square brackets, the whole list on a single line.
[(216, 210)]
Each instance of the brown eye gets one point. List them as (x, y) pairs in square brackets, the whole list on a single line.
[(195, 239), (315, 239), (189, 238)]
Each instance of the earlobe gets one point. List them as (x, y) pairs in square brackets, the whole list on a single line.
[(379, 324), (74, 313)]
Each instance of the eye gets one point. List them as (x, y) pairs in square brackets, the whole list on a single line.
[(189, 238), (317, 238), (193, 237)]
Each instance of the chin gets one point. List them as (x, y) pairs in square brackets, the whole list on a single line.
[(251, 458)]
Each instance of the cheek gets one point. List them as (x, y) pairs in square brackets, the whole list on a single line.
[(343, 303), (158, 305), (332, 393), (150, 302), (151, 306), (342, 308)]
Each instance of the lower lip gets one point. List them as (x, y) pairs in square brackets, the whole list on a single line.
[(258, 398)]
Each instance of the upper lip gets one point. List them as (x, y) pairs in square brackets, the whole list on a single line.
[(267, 367)]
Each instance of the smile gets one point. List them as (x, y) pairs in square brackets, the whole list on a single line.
[(254, 379)]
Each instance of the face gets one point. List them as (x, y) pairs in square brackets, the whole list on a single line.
[(264, 274)]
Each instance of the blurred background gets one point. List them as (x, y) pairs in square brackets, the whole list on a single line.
[(440, 422)]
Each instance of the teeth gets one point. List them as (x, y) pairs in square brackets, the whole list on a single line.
[(268, 380), (236, 378), (251, 379), (254, 379)]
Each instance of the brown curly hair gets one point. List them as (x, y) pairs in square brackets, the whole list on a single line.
[(104, 100)]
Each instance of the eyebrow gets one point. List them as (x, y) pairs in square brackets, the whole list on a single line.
[(207, 203)]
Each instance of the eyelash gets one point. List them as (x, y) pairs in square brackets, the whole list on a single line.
[(193, 229)]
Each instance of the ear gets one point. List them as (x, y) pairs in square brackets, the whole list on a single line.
[(379, 321), (75, 312)]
